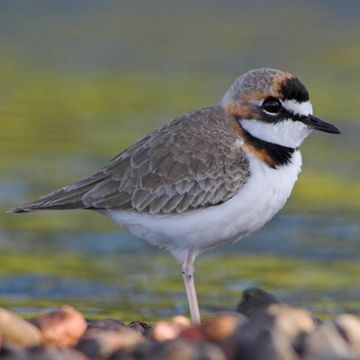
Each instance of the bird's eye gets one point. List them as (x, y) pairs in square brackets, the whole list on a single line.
[(272, 105)]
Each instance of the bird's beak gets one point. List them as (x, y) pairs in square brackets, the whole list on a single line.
[(321, 125)]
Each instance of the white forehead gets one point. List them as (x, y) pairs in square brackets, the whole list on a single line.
[(298, 108)]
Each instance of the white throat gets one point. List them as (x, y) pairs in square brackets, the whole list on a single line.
[(285, 133)]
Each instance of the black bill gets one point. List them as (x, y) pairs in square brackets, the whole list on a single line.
[(321, 125)]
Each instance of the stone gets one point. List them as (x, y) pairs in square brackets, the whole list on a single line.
[(62, 327), (11, 351), (183, 350), (270, 334), (290, 321), (51, 353), (17, 330), (142, 327), (168, 330), (349, 328), (255, 299), (222, 326), (99, 343), (325, 342), (105, 324), (194, 333)]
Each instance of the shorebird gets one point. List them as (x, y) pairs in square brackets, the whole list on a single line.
[(206, 178)]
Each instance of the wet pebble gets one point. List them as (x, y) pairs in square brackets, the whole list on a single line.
[(62, 327), (17, 330)]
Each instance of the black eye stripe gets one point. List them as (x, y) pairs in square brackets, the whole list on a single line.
[(282, 115)]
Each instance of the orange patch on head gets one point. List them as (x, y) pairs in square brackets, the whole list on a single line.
[(279, 81), (244, 108)]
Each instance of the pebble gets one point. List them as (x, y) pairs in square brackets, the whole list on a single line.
[(12, 351), (270, 333), (262, 328), (142, 328), (183, 350), (168, 330), (105, 324), (325, 342), (349, 328), (62, 327), (15, 329), (100, 343), (222, 326), (254, 300), (290, 321), (51, 353)]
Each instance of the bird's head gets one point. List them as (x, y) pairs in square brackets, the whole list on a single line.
[(273, 106)]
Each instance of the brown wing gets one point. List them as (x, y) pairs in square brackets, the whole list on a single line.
[(193, 161)]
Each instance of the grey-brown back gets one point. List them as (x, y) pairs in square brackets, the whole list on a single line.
[(191, 162)]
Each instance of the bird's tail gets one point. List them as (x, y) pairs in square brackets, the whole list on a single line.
[(66, 198)]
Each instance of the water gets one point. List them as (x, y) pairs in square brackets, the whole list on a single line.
[(307, 260), (72, 99)]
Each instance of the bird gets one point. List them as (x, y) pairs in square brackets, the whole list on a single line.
[(207, 178)]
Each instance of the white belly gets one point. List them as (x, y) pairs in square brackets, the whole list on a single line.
[(264, 194)]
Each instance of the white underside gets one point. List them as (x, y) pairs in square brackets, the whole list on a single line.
[(264, 194)]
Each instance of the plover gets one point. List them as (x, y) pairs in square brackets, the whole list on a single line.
[(207, 178)]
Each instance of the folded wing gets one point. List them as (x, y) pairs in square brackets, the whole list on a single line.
[(191, 162)]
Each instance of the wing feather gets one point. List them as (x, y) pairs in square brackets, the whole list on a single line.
[(191, 162)]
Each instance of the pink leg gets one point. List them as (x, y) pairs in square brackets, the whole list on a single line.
[(187, 269)]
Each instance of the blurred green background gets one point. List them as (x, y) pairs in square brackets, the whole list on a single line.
[(81, 80)]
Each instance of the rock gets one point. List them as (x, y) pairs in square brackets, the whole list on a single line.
[(194, 333), (325, 342), (270, 334), (15, 329), (105, 324), (11, 351), (349, 327), (168, 330), (216, 329), (183, 350), (140, 352), (61, 328), (51, 353), (290, 321), (222, 326), (102, 343), (142, 327), (254, 300)]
